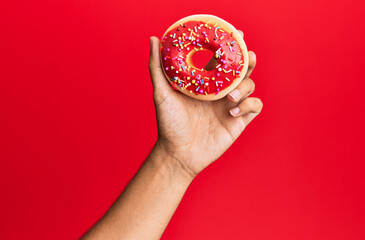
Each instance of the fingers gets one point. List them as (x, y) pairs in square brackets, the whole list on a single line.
[(242, 91), (248, 109), (251, 63), (157, 75), (252, 60)]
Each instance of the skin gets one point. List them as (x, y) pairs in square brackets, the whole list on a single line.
[(191, 135)]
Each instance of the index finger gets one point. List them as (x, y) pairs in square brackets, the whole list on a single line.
[(252, 60)]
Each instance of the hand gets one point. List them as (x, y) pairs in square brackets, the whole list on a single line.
[(195, 133)]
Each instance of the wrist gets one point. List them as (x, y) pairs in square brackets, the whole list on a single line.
[(170, 165)]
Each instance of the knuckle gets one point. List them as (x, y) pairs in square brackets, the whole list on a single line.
[(258, 105), (252, 85), (250, 104), (150, 64), (158, 96), (254, 105)]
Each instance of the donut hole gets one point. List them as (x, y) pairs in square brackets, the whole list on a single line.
[(200, 59)]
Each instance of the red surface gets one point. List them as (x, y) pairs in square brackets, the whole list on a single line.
[(76, 123)]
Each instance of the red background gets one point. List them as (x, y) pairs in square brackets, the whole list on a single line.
[(77, 119)]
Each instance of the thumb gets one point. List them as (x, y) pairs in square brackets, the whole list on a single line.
[(158, 78)]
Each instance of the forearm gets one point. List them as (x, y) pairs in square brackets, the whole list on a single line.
[(147, 204)]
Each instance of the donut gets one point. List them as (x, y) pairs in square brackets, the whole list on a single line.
[(203, 32)]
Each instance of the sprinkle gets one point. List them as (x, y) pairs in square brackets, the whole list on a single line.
[(206, 39), (183, 67), (196, 49), (197, 88), (206, 93), (224, 70), (174, 35), (215, 25), (233, 42), (192, 72), (221, 30), (238, 67), (233, 73), (227, 79), (195, 29), (218, 66), (238, 53), (229, 70), (199, 45)]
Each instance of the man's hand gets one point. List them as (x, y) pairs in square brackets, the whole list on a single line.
[(191, 135), (195, 133)]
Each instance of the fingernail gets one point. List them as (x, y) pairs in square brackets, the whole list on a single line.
[(234, 111), (235, 94)]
